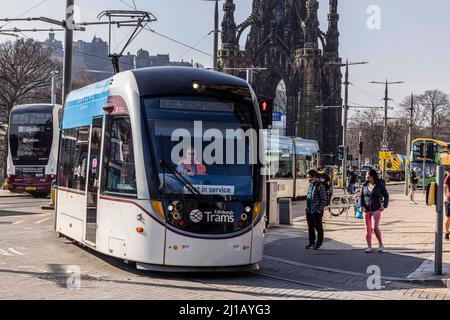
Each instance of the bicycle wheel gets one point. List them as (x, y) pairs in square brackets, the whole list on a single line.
[(337, 201)]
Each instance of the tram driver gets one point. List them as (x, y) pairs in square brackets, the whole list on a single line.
[(190, 165)]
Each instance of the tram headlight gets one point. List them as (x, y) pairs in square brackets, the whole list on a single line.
[(244, 217), (170, 207), (198, 86), (247, 209)]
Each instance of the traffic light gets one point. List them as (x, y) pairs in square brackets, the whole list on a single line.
[(422, 150), (361, 148), (266, 108), (430, 151), (341, 152)]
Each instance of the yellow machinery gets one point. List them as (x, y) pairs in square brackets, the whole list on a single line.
[(395, 166)]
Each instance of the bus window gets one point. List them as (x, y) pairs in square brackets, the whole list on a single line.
[(120, 167)]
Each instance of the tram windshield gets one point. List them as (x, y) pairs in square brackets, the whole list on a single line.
[(209, 142), (31, 136)]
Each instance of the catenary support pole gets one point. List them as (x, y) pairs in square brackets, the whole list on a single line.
[(68, 49)]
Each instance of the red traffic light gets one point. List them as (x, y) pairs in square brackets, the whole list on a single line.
[(264, 105)]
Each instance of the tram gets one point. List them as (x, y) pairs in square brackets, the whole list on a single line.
[(33, 148), (135, 178), (290, 159)]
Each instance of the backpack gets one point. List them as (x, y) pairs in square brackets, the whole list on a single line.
[(326, 181)]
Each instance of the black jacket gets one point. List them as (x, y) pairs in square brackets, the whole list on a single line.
[(371, 201)]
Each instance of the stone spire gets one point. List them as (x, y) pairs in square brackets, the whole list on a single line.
[(311, 25), (229, 24), (332, 37)]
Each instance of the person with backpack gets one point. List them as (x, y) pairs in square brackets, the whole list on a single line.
[(316, 200), (373, 200)]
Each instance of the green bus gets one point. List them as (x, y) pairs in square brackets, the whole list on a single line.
[(426, 154)]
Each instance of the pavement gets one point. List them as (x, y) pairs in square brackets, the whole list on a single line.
[(9, 194), (408, 234), (35, 264)]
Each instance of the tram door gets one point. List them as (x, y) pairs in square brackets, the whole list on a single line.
[(93, 179)]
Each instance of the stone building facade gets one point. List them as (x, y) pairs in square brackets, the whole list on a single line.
[(285, 37)]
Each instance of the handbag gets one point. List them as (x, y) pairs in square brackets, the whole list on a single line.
[(358, 212)]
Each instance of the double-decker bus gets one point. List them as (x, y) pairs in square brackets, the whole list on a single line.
[(136, 180), (289, 161), (426, 154), (33, 148)]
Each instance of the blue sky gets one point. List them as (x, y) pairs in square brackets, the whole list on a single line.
[(411, 45)]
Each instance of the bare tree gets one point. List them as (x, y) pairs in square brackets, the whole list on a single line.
[(25, 73), (431, 113), (25, 69), (437, 104)]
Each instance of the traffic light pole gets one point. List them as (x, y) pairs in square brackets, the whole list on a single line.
[(386, 107), (408, 147), (344, 133), (345, 122), (345, 109), (439, 221)]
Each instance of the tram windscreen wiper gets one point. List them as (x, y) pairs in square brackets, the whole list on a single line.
[(168, 167)]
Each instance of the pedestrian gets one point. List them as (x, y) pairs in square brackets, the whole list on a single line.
[(373, 200), (351, 181), (414, 181), (316, 200), (447, 205)]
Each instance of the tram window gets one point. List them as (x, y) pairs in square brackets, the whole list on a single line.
[(73, 158), (283, 166), (301, 166), (120, 168)]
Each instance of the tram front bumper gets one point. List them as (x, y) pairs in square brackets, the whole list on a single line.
[(184, 251)]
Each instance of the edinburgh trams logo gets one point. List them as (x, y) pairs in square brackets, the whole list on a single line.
[(196, 216)]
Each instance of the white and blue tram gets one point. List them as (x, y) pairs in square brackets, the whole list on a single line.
[(128, 190)]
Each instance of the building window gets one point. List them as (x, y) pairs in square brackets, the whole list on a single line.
[(120, 167)]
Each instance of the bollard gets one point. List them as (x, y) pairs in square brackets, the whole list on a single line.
[(284, 207)]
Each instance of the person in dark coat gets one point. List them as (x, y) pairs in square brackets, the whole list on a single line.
[(373, 200), (316, 200)]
